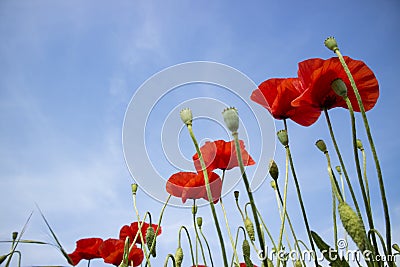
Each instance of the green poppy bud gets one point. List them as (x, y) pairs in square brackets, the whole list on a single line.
[(396, 247), (150, 238), (331, 43), (273, 170), (178, 257), (359, 145), (283, 137), (186, 116), (246, 248), (298, 263), (231, 119), (134, 188), (273, 184), (236, 194), (248, 225), (339, 87), (199, 221), (353, 224), (321, 146), (338, 169), (14, 235), (194, 209)]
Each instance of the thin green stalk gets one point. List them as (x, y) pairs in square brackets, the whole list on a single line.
[(158, 227), (365, 175), (170, 256), (209, 195), (227, 225), (198, 241), (373, 232), (250, 195), (283, 214), (189, 240), (266, 229), (236, 239), (140, 223), (339, 155), (303, 209), (374, 153), (208, 246), (360, 178)]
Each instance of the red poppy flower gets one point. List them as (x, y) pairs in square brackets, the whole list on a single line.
[(277, 94), (317, 75), (221, 155), (192, 185), (112, 251), (131, 230), (86, 249), (244, 265)]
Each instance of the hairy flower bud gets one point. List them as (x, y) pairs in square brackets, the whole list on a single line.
[(353, 224), (249, 228), (338, 169), (231, 119), (360, 145), (150, 239), (273, 170), (199, 221), (178, 257), (298, 263), (396, 247), (339, 87), (283, 137), (236, 194), (331, 43), (321, 146), (194, 209), (134, 188), (186, 116), (246, 248)]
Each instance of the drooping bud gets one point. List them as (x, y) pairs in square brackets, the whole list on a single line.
[(186, 116), (360, 145), (246, 248), (353, 224), (14, 235), (331, 43), (178, 257), (321, 146), (339, 87), (231, 119), (396, 247), (283, 137), (150, 239), (248, 224), (273, 170), (134, 188), (236, 194), (199, 221)]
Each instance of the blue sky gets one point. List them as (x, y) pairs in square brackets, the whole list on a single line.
[(69, 70)]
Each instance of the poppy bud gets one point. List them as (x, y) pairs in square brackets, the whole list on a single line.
[(339, 87), (178, 257), (298, 263), (194, 209), (14, 235), (273, 170), (186, 116), (283, 137), (236, 194), (321, 146), (273, 184), (331, 43), (360, 145), (246, 248), (353, 224), (150, 238), (134, 188), (249, 228), (199, 221), (338, 169), (396, 247), (231, 119)]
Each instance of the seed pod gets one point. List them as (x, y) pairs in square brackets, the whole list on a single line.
[(353, 224), (283, 137), (331, 43), (178, 257), (186, 116), (249, 228), (231, 119), (150, 238)]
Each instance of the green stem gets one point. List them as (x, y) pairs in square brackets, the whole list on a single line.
[(209, 195), (189, 240), (365, 176), (227, 226), (374, 153), (197, 236), (170, 256), (266, 229), (250, 195), (353, 196), (303, 210), (236, 239), (373, 232), (140, 223), (359, 174), (208, 246)]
